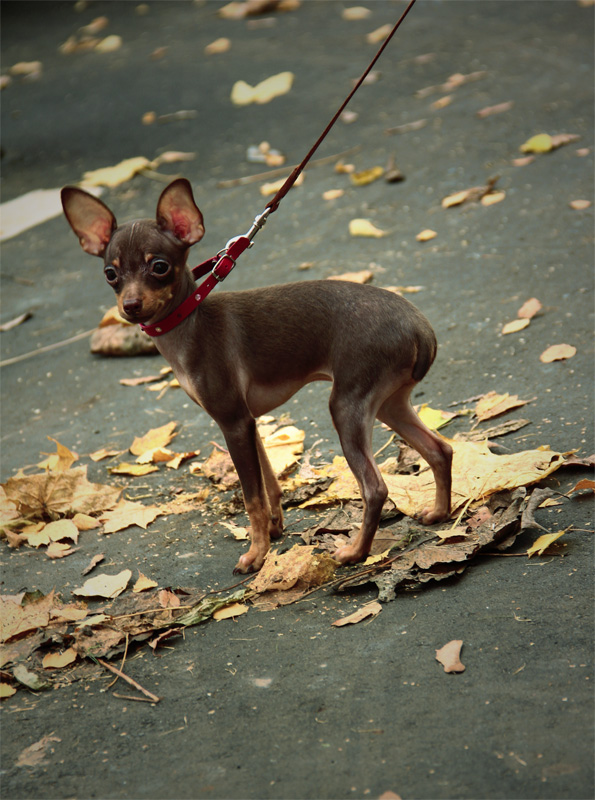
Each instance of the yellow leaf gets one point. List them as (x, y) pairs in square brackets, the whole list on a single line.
[(62, 529), (84, 522), (156, 437), (455, 199), (363, 276), (59, 660), (541, 544), (114, 176), (221, 45), (240, 534), (242, 94), (127, 513), (541, 143), (355, 13), (228, 612), (363, 227), (333, 194), (6, 690), (143, 584), (284, 447), (366, 176), (493, 404), (529, 308), (36, 539), (557, 352), (379, 35), (515, 326), (491, 198), (107, 586), (274, 186), (59, 461), (369, 610), (426, 235), (434, 418), (59, 550), (134, 470)]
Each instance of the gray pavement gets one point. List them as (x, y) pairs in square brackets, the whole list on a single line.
[(280, 704)]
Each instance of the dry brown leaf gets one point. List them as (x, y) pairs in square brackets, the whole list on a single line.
[(366, 176), (218, 468), (355, 13), (59, 461), (6, 690), (238, 533), (541, 544), (121, 340), (128, 513), (499, 108), (135, 470), (109, 44), (284, 447), (281, 572), (583, 484), (363, 276), (97, 559), (230, 611), (104, 452), (242, 94), (493, 404), (34, 755), (379, 35), (449, 656), (59, 660), (557, 352), (221, 45), (60, 550), (84, 522), (273, 187), (426, 235), (17, 619), (333, 194), (529, 308), (515, 326), (369, 610), (442, 102), (492, 198), (143, 584), (114, 176), (363, 227), (107, 586), (61, 529), (248, 8), (55, 494), (156, 437)]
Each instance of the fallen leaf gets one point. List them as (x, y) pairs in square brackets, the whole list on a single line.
[(59, 461), (369, 610), (379, 35), (529, 308), (363, 276), (515, 326), (93, 563), (242, 94), (127, 513), (133, 469), (34, 755), (541, 544), (249, 8), (583, 484), (523, 162), (221, 45), (107, 586), (13, 323), (143, 584), (62, 529), (230, 612), (442, 102), (557, 352), (6, 690), (449, 656), (156, 437), (499, 108), (355, 13), (59, 660), (238, 533), (493, 404), (580, 205), (84, 522), (366, 176), (456, 199), (104, 452), (109, 44), (281, 572), (434, 418), (116, 175), (363, 227), (59, 550), (426, 235), (544, 143), (273, 187), (491, 198), (29, 678), (27, 69), (284, 448)]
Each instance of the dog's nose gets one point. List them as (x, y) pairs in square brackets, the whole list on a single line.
[(133, 306)]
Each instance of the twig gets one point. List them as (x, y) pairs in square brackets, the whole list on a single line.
[(46, 349), (280, 171), (132, 697), (129, 680), (122, 664)]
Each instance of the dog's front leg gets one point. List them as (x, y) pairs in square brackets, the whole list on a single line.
[(242, 442)]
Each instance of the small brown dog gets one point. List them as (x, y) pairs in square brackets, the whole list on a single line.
[(242, 354)]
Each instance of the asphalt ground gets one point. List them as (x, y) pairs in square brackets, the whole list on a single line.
[(280, 704)]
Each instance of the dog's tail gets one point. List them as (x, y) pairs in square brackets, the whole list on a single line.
[(426, 353)]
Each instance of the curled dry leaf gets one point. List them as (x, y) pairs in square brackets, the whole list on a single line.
[(363, 276), (242, 94), (273, 187), (221, 45), (107, 586), (515, 326), (379, 35), (442, 102), (544, 142), (230, 612), (59, 461), (59, 660), (134, 470), (143, 584), (493, 404), (369, 610), (366, 176), (529, 308), (449, 656), (114, 176), (499, 108), (541, 544), (426, 235), (557, 352), (363, 227), (492, 198)]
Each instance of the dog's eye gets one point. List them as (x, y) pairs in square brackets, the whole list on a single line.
[(111, 275), (160, 267)]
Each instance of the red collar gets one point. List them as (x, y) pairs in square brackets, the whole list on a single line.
[(219, 266)]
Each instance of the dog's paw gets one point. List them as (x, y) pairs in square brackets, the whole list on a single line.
[(429, 516), (348, 554), (248, 563)]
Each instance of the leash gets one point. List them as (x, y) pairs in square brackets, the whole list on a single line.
[(222, 264)]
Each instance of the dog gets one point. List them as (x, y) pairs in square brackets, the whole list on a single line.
[(241, 354)]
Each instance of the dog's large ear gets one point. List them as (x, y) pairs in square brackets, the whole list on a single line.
[(89, 218), (178, 214)]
